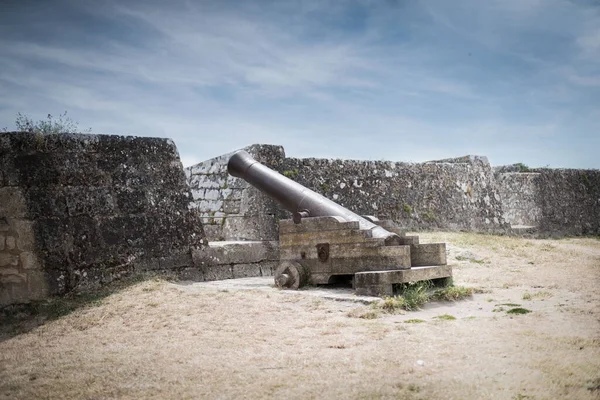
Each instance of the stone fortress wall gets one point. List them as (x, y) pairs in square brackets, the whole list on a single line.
[(460, 194), (549, 201), (77, 211), (230, 208)]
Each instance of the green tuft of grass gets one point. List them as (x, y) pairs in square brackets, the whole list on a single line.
[(291, 174), (393, 304), (412, 296), (414, 321), (446, 317), (518, 310), (522, 167), (509, 305), (451, 293), (415, 294)]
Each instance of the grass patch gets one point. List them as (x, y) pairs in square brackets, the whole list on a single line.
[(364, 313), (412, 296), (518, 310), (451, 293), (393, 305), (446, 317), (540, 295), (509, 305), (414, 321), (593, 385)]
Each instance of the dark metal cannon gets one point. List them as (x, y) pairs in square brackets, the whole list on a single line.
[(327, 243), (299, 200)]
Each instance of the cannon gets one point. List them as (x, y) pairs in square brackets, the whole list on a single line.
[(326, 243)]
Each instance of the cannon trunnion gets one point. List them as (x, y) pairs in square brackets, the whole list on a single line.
[(325, 243)]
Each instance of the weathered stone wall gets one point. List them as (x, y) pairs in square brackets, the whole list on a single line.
[(519, 196), (79, 210), (232, 209), (454, 194), (554, 201), (569, 200)]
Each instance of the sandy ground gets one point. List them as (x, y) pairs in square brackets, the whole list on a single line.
[(161, 339)]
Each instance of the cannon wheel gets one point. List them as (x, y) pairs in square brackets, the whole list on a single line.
[(290, 275)]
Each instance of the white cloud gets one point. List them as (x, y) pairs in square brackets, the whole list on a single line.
[(460, 78)]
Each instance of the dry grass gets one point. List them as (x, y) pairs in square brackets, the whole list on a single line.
[(158, 339)]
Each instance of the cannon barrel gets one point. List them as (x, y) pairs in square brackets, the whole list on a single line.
[(299, 200)]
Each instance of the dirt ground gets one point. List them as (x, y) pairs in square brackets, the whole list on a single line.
[(159, 339)]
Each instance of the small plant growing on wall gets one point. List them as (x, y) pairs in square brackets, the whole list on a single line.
[(50, 125), (291, 173), (428, 215), (522, 167)]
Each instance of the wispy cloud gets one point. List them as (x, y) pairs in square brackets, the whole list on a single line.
[(516, 80)]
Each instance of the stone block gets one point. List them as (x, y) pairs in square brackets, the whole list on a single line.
[(12, 202), (8, 260), (428, 254), (317, 224), (4, 225), (231, 206), (2, 242), (380, 283), (29, 260), (259, 227), (13, 278), (233, 194), (11, 243), (267, 268), (191, 274), (217, 272), (409, 240), (213, 232), (177, 260), (9, 271), (241, 252), (246, 270), (254, 203), (25, 234), (37, 287)]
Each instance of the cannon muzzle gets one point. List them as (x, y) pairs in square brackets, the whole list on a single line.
[(299, 200)]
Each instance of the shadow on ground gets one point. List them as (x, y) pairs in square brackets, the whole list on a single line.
[(22, 318)]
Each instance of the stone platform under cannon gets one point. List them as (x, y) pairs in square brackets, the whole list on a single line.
[(325, 250)]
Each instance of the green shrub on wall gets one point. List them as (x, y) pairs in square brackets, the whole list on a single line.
[(50, 125)]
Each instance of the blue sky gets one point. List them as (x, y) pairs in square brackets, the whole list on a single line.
[(404, 80)]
